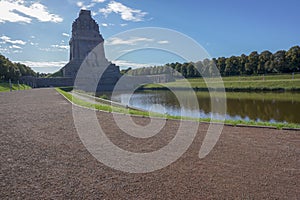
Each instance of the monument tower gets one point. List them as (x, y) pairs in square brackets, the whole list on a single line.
[(85, 37)]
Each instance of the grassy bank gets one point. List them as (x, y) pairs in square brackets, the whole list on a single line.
[(104, 107), (108, 108), (4, 87), (237, 83)]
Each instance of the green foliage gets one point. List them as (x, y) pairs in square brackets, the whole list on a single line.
[(104, 107), (66, 89), (293, 58), (239, 83), (232, 66), (59, 73), (253, 64), (104, 97), (125, 71), (13, 71), (4, 87)]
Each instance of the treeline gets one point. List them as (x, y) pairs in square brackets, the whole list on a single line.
[(253, 64), (13, 71)]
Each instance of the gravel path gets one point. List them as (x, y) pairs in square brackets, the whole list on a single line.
[(42, 157)]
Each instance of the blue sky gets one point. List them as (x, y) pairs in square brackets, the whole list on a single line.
[(37, 32)]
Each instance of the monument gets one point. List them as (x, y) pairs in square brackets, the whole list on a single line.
[(86, 38), (87, 56)]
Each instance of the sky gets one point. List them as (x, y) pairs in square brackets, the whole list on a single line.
[(37, 32)]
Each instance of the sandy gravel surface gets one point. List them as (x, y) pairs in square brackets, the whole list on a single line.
[(42, 157)]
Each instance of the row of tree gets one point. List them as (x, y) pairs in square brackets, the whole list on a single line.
[(253, 64), (13, 71)]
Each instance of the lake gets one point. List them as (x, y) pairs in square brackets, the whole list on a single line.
[(268, 107)]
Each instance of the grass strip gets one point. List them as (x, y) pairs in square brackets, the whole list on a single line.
[(236, 83), (4, 87), (108, 108)]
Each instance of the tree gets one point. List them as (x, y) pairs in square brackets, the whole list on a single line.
[(125, 71), (178, 67), (200, 68), (191, 70), (293, 58), (184, 70), (264, 57), (221, 65), (205, 69), (280, 63), (243, 59), (213, 70), (232, 66), (266, 62), (251, 65), (13, 71)]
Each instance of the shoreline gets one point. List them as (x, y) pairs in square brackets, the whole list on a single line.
[(202, 89), (236, 123)]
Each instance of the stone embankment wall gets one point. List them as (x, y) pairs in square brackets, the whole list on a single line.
[(35, 82)]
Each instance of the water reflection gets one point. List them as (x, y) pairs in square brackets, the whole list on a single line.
[(269, 107)]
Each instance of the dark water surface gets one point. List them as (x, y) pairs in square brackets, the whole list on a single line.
[(268, 107)]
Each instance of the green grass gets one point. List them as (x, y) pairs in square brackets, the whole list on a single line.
[(4, 87), (235, 83), (108, 108), (105, 107), (267, 124)]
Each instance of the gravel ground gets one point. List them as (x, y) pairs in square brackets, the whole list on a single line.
[(42, 157)]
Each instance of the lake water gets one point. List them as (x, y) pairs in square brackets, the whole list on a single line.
[(268, 107)]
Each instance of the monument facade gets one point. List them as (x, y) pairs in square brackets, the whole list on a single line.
[(86, 38)]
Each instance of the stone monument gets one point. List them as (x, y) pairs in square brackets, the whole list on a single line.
[(87, 59), (86, 38)]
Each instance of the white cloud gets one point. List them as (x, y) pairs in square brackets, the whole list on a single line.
[(66, 34), (98, 1), (163, 42), (43, 64), (131, 41), (127, 13), (47, 49), (15, 47), (11, 49), (123, 25), (81, 5), (4, 50), (125, 64), (34, 44), (55, 48), (6, 39), (60, 46), (107, 25), (17, 51), (22, 11)]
